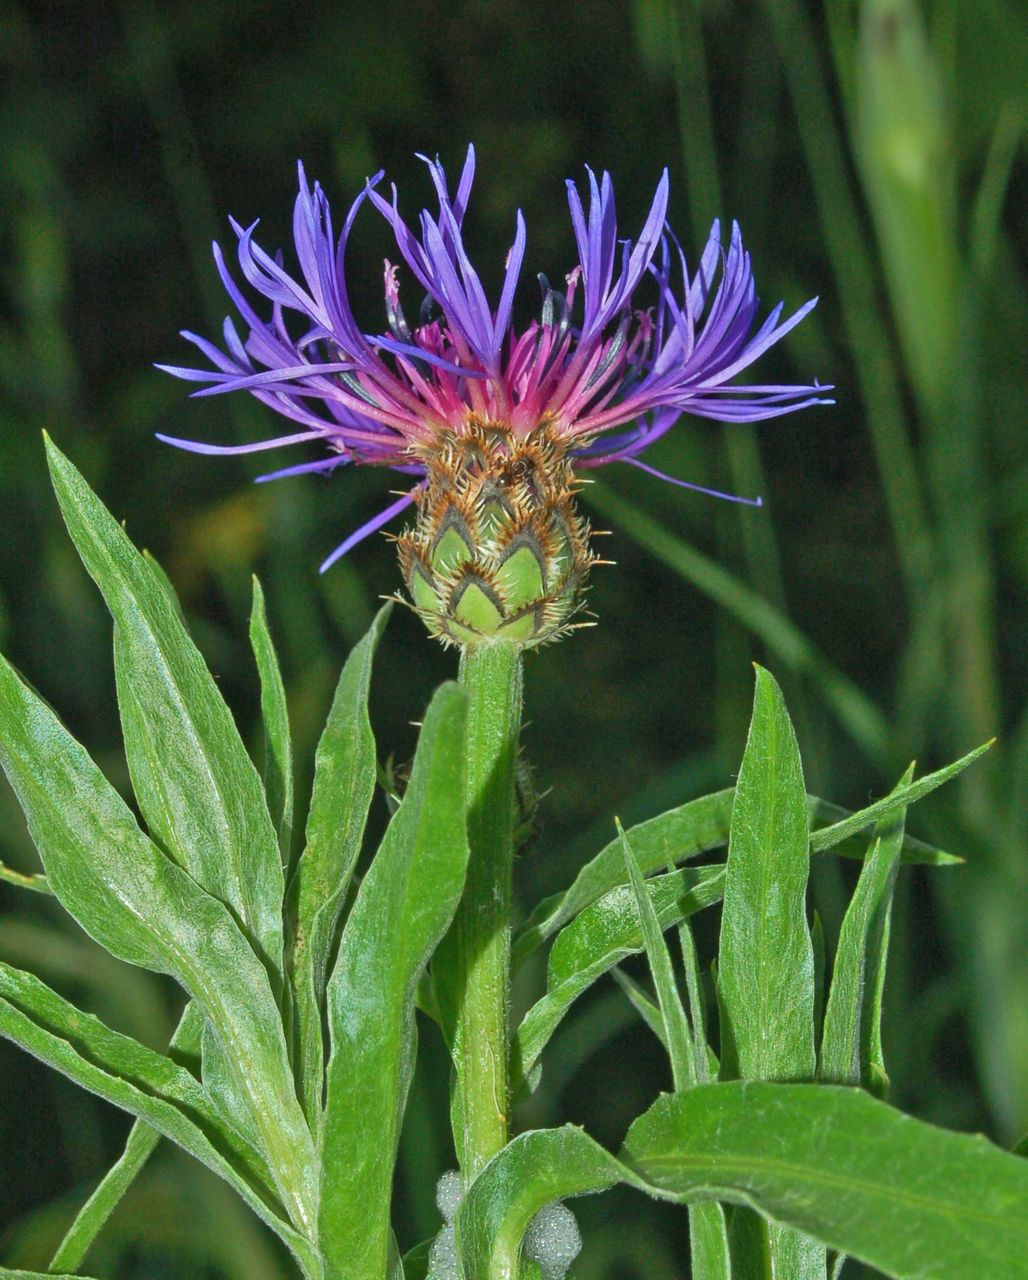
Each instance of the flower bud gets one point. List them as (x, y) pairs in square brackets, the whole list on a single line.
[(499, 552)]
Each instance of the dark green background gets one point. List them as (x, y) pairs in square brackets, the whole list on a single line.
[(871, 156)]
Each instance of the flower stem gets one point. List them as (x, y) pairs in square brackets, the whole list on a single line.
[(491, 675)]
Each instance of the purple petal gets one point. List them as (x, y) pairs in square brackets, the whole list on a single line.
[(367, 529)]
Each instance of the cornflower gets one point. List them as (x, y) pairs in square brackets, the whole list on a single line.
[(493, 424)]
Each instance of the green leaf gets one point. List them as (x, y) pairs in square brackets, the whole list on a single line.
[(195, 784), (278, 750), (642, 1003), (344, 784), (673, 837), (7, 1274), (603, 935), (685, 832), (142, 1082), (900, 1195), (533, 1169), (141, 1141), (901, 798), (708, 1236), (403, 907), (766, 959), (852, 1015), (148, 911), (37, 883), (677, 1034), (766, 963)]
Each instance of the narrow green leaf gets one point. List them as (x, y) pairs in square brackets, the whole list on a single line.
[(533, 1169), (344, 784), (851, 1018), (766, 959), (37, 883), (403, 908), (766, 962), (278, 750), (697, 1016), (195, 784), (901, 798), (141, 1141), (603, 935), (676, 1026), (148, 911), (673, 837), (686, 832), (6, 1273), (898, 1194), (708, 1235), (641, 1001), (142, 1082)]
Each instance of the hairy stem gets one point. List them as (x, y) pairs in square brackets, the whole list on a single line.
[(480, 937)]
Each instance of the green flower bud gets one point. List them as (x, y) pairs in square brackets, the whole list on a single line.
[(499, 552)]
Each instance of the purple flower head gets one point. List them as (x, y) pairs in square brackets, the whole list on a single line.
[(599, 370)]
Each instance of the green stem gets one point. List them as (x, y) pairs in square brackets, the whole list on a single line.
[(491, 674)]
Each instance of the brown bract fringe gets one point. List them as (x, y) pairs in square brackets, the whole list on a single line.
[(488, 497)]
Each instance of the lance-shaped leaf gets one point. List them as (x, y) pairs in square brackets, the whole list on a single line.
[(603, 935), (403, 907), (765, 959), (532, 1170), (148, 911), (701, 825), (854, 1000), (708, 1235), (144, 1083), (196, 786), (903, 1196), (344, 784), (120, 1056), (139, 1146), (901, 798), (278, 749)]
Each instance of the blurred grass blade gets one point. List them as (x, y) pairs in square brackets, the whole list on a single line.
[(765, 957), (190, 771), (148, 911), (708, 1235), (853, 1012), (603, 935), (402, 909), (856, 276), (904, 155), (900, 1195), (901, 798), (344, 784), (141, 1141), (857, 715), (278, 750), (765, 960)]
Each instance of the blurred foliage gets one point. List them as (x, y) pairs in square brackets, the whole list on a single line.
[(873, 153)]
